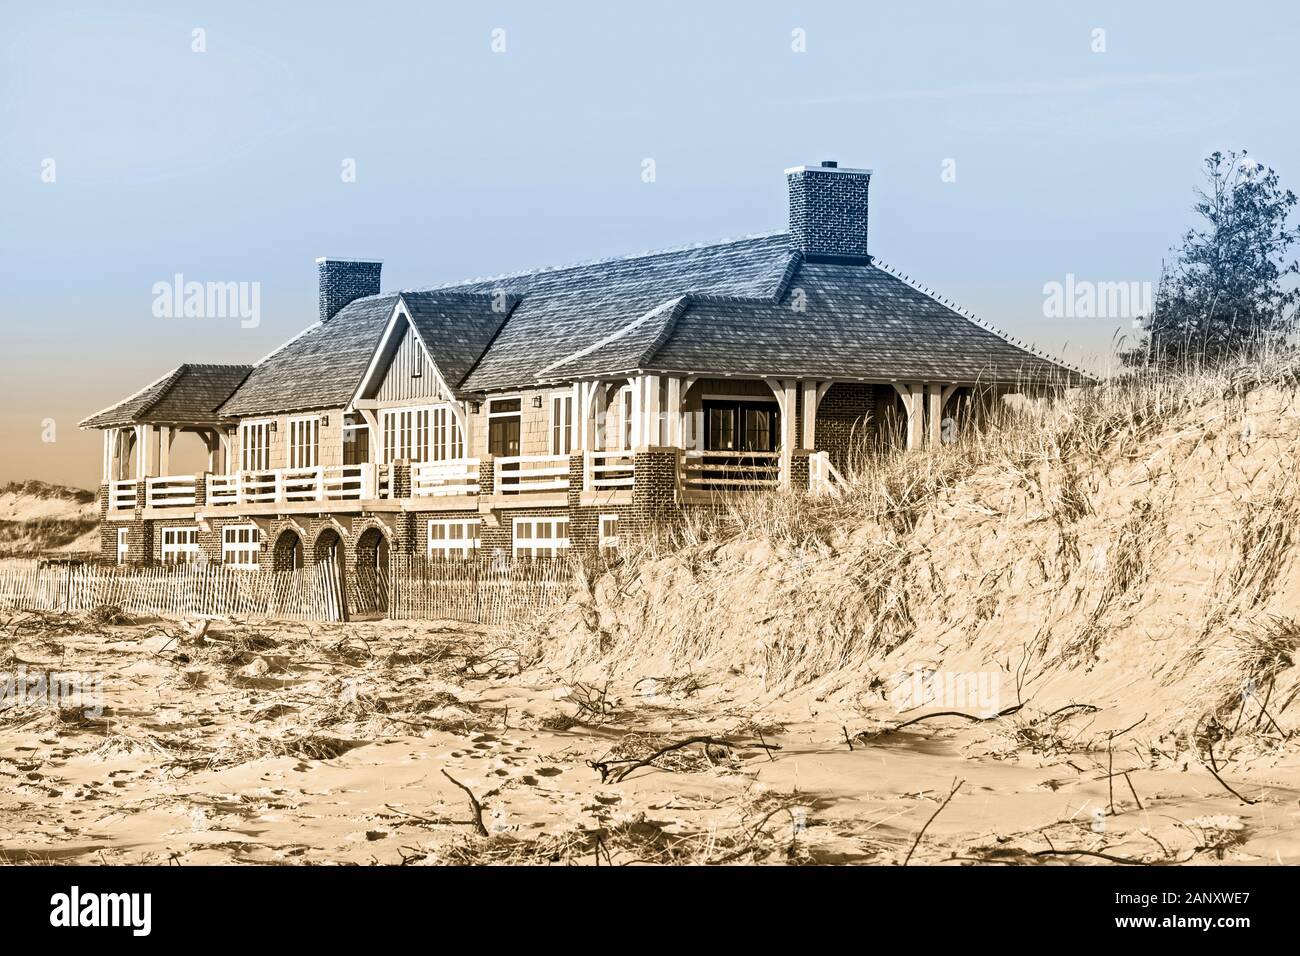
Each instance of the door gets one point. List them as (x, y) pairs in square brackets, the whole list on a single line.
[(503, 433)]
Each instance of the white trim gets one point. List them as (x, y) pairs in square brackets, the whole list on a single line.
[(829, 169), (123, 546), (247, 423)]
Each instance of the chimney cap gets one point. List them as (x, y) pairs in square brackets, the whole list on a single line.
[(829, 166), (377, 262)]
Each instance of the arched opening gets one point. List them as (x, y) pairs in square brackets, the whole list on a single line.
[(370, 580), (329, 551), (289, 553)]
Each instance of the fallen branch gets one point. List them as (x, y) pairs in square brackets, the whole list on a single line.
[(955, 787), (1210, 767), (616, 771), (475, 807), (868, 735)]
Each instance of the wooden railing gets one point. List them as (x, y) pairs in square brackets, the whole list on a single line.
[(523, 473), (170, 491), (322, 483), (439, 478), (610, 469), (823, 477), (121, 495), (730, 470)]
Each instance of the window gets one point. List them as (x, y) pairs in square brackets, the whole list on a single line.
[(241, 545), (736, 425), (608, 540), (180, 545), (453, 537), (446, 442), (304, 442), (561, 424), (422, 434), (255, 445), (625, 417), (123, 547), (541, 537)]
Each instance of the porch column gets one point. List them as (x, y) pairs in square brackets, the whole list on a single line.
[(575, 418), (145, 436), (638, 413), (674, 412), (106, 459), (912, 396), (935, 398), (651, 436), (165, 436), (786, 392)]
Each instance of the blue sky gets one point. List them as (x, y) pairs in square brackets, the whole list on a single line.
[(226, 165)]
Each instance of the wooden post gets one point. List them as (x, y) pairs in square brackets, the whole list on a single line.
[(638, 405), (651, 435), (810, 402), (675, 412), (935, 396)]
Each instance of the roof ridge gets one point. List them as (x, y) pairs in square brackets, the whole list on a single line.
[(605, 260), (971, 317)]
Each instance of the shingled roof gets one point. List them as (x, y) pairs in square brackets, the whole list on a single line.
[(187, 395), (750, 306)]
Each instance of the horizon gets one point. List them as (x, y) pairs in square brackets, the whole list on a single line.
[(1010, 155)]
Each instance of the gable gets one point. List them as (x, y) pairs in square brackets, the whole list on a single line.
[(405, 373)]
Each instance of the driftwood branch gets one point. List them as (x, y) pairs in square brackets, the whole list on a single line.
[(952, 793), (476, 808), (616, 771), (973, 718)]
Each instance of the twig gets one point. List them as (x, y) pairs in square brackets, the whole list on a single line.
[(847, 739), (1133, 791), (1210, 747), (475, 807), (952, 793), (867, 735)]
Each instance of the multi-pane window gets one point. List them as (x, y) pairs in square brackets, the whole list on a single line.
[(561, 424), (180, 545), (541, 537), (304, 442), (608, 532), (422, 434), (255, 446), (123, 546), (453, 537), (241, 545), (445, 439)]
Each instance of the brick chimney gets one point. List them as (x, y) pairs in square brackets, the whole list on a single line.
[(343, 280), (828, 211)]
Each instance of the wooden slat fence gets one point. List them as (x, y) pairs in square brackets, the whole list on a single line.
[(310, 594), (482, 589)]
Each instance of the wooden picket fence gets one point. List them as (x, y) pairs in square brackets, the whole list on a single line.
[(482, 589), (310, 594)]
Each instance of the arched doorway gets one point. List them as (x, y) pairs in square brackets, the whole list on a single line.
[(371, 573), (329, 551), (288, 554)]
